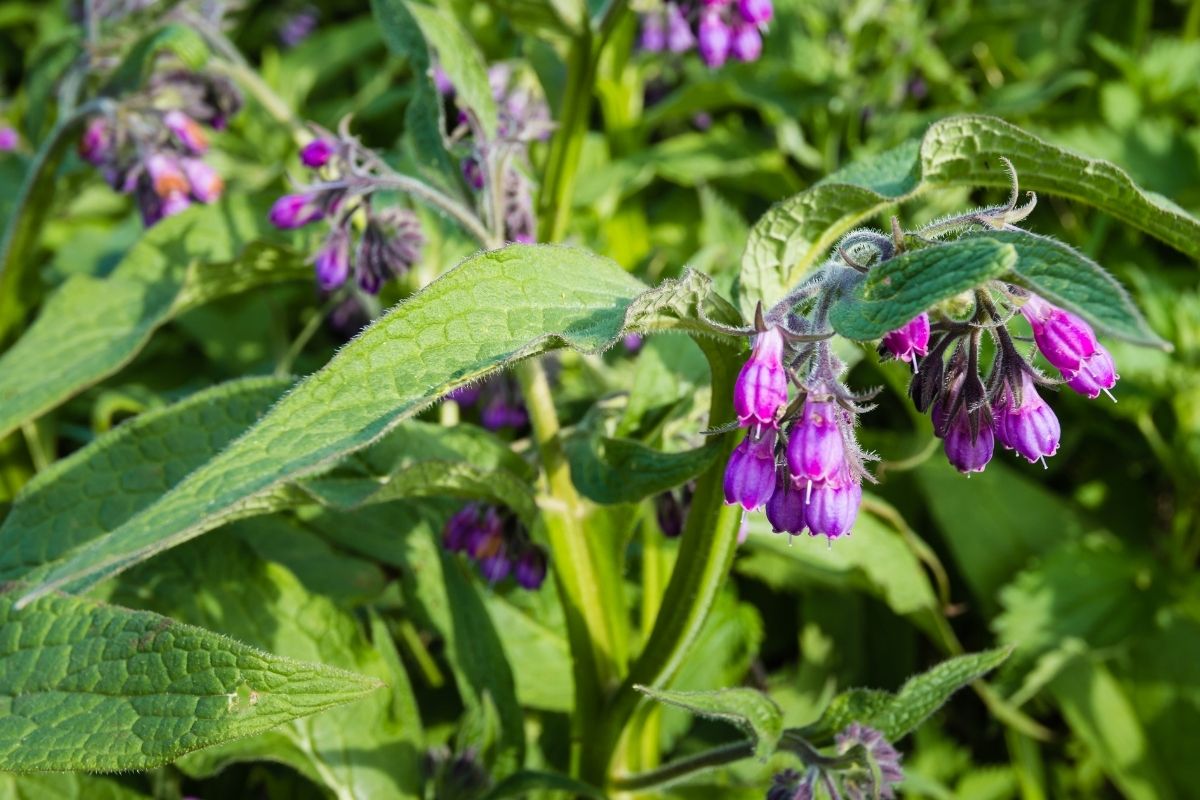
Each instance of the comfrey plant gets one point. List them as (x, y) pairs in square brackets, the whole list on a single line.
[(800, 459), (718, 29)]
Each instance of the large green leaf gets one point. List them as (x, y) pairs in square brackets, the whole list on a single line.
[(748, 709), (495, 308), (959, 151), (91, 327), (96, 489), (899, 289), (895, 715), (370, 749), (85, 686), (460, 59)]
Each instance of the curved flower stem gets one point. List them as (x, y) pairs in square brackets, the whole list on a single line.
[(706, 551), (681, 768), (431, 196)]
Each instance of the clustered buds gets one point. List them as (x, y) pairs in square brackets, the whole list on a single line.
[(864, 765), (971, 413), (800, 462), (718, 29), (391, 238), (496, 542), (153, 145), (522, 117)]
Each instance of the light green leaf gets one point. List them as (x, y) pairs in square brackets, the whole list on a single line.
[(91, 327), (748, 709), (64, 786), (96, 489), (181, 41), (1063, 275), (370, 749), (544, 679), (895, 715), (494, 309), (900, 288), (156, 688), (959, 151), (460, 59), (542, 18)]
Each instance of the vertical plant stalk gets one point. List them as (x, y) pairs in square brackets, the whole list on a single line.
[(706, 552)]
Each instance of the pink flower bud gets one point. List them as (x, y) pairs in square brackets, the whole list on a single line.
[(816, 451), (1097, 373), (750, 474), (715, 38), (295, 211), (187, 131), (205, 182), (1030, 428), (317, 153), (761, 386), (1064, 339)]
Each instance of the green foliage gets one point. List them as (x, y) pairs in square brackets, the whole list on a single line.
[(748, 709), (157, 688)]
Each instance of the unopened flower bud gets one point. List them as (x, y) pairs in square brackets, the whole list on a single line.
[(832, 506), (747, 43), (653, 38), (205, 182), (317, 153), (785, 509), (1064, 339), (460, 528), (166, 176), (95, 146), (187, 131), (714, 37), (756, 12), (530, 567), (296, 211), (332, 262), (750, 474), (968, 451), (910, 339), (761, 387), (1030, 428), (816, 450), (679, 33)]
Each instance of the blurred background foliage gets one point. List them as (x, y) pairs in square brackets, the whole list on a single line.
[(1088, 566)]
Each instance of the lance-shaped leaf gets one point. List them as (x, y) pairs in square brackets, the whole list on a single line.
[(748, 709), (614, 470), (494, 309), (459, 57), (899, 289), (85, 686), (895, 715), (91, 327), (959, 151)]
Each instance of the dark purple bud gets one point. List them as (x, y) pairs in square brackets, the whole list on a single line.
[(653, 38), (785, 509), (504, 412), (968, 451), (762, 387), (1097, 373), (495, 567), (317, 153), (205, 182), (910, 339), (332, 262), (296, 211), (885, 760), (1064, 339), (833, 505), (928, 382), (816, 451), (750, 474), (8, 139), (390, 244), (187, 131), (714, 37), (472, 172), (669, 513), (174, 203), (1030, 428), (756, 12), (747, 43), (460, 528), (530, 569), (679, 33), (487, 535)]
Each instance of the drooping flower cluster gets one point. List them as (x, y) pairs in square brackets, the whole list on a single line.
[(801, 461), (718, 29), (389, 239), (152, 144), (971, 413), (522, 117), (870, 768), (496, 542)]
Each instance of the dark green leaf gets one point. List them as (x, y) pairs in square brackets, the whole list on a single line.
[(749, 709)]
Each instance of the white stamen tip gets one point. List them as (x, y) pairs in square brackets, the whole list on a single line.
[(1110, 395), (1043, 460), (914, 363), (808, 493)]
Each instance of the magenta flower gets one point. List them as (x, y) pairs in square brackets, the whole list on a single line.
[(910, 339), (530, 567), (8, 139), (332, 261), (747, 43), (715, 38), (166, 176), (679, 33), (295, 211), (205, 182), (653, 37), (750, 474), (968, 452), (1097, 373), (317, 153), (816, 451), (832, 506), (761, 387), (1030, 428), (756, 12), (785, 509), (1064, 339)]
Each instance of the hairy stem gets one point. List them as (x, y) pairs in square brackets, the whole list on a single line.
[(681, 768)]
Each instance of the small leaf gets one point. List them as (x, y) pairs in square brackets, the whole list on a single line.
[(91, 327), (748, 709), (895, 715), (899, 289), (156, 688), (1065, 276)]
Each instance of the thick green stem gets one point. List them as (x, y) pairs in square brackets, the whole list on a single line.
[(718, 756), (706, 551)]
